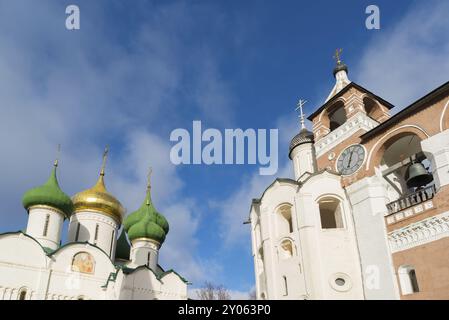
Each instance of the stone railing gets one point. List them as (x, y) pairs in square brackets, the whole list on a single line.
[(411, 200)]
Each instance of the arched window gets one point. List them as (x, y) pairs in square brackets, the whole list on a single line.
[(331, 213), (286, 249), (284, 220), (285, 285), (337, 116), (22, 294), (408, 279), (47, 221), (372, 109)]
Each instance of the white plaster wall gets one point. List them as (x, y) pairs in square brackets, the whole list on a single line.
[(139, 253), (303, 159), (331, 253), (25, 265), (274, 266), (36, 225), (368, 198), (437, 149), (107, 230)]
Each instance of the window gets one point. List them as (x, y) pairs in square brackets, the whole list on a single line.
[(112, 242), (408, 279), (47, 220), (96, 233), (285, 285), (337, 116), (330, 213), (77, 231), (22, 294), (286, 249), (284, 220), (148, 259)]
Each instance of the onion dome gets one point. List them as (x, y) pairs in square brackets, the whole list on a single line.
[(340, 67), (99, 199), (146, 222), (304, 136), (49, 194), (123, 248)]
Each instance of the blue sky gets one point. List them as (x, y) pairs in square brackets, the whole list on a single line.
[(134, 72)]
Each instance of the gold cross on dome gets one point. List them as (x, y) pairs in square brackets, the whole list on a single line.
[(337, 55), (105, 157)]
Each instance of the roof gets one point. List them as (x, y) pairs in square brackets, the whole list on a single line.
[(408, 111), (345, 89), (304, 136), (49, 194)]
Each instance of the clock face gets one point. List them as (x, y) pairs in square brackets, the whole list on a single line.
[(351, 159)]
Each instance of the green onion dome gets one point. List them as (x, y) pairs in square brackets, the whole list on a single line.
[(146, 222), (123, 248), (49, 194)]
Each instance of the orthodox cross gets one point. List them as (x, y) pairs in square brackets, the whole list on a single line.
[(58, 153), (337, 55), (299, 107), (150, 171), (105, 157)]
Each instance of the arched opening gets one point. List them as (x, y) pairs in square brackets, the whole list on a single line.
[(284, 220), (373, 109), (284, 286), (408, 279), (286, 249), (331, 213), (260, 260), (407, 170), (22, 294), (337, 115)]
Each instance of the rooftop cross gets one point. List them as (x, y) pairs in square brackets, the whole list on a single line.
[(337, 55), (58, 154), (150, 171), (105, 157), (299, 107)]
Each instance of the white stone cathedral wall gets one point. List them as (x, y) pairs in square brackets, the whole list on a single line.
[(107, 230), (36, 225)]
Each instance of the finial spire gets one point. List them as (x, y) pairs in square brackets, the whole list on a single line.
[(105, 157), (337, 55), (58, 154), (150, 171), (299, 107)]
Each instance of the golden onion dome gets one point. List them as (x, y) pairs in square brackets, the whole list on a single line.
[(99, 199)]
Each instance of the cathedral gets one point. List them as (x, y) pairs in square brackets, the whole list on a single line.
[(95, 263), (367, 213)]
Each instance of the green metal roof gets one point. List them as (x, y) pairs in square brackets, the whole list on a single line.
[(49, 194), (146, 222), (123, 248)]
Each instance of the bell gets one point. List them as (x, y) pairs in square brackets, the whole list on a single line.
[(417, 176)]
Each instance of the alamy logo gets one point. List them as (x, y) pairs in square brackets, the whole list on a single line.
[(72, 22), (210, 147)]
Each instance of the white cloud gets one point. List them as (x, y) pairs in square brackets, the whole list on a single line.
[(409, 59), (83, 89)]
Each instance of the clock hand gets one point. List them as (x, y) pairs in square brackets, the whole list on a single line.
[(350, 159)]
